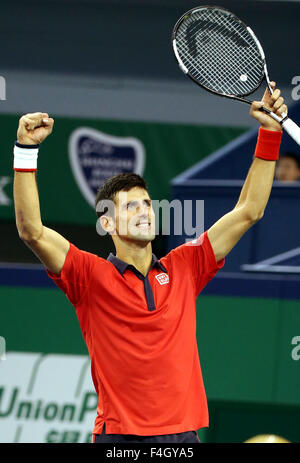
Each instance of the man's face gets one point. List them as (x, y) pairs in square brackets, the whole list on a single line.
[(287, 170), (134, 215)]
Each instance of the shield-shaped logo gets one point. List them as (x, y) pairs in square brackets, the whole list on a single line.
[(96, 156)]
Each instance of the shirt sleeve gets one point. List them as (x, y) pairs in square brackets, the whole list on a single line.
[(75, 275), (199, 257)]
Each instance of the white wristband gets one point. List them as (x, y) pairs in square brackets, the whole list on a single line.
[(25, 157)]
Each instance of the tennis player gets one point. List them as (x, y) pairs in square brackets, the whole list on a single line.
[(137, 313)]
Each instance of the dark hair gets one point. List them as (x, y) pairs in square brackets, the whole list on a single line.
[(290, 154), (120, 182)]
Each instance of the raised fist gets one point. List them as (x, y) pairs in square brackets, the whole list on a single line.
[(34, 128)]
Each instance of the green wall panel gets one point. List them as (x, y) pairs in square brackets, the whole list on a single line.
[(39, 320), (237, 338), (288, 368)]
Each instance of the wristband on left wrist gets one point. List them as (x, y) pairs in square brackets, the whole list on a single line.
[(25, 157)]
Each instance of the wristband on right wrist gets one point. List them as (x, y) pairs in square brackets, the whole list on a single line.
[(25, 157), (268, 144)]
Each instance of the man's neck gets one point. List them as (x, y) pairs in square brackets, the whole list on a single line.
[(139, 257)]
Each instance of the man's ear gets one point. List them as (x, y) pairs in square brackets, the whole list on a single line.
[(108, 224)]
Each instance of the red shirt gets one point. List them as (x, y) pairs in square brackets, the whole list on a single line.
[(141, 337)]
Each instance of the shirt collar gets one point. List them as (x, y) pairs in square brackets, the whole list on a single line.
[(121, 266)]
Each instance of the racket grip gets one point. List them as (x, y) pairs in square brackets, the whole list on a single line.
[(292, 129)]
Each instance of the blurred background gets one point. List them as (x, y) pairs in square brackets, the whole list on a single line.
[(105, 70)]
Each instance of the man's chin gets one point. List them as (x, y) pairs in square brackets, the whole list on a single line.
[(141, 236)]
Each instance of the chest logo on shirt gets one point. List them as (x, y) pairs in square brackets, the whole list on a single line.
[(162, 278)]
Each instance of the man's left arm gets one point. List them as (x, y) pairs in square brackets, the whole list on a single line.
[(228, 230)]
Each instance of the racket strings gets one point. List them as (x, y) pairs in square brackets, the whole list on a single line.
[(224, 54), (226, 70), (219, 52), (216, 80), (219, 28)]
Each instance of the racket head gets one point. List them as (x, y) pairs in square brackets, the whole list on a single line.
[(219, 52)]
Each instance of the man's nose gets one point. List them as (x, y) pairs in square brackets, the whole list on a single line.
[(143, 209)]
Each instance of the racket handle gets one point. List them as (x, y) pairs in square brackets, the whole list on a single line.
[(292, 129)]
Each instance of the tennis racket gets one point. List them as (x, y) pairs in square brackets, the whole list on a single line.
[(222, 54)]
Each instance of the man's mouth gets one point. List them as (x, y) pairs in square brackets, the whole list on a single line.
[(144, 225)]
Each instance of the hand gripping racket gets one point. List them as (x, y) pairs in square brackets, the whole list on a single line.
[(221, 54)]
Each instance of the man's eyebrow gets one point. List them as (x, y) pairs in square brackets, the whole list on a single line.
[(147, 200), (131, 202)]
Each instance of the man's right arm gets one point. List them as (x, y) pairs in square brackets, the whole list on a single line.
[(49, 246)]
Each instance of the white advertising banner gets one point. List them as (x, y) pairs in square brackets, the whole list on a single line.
[(46, 398)]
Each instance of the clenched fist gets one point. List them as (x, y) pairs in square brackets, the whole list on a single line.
[(34, 128)]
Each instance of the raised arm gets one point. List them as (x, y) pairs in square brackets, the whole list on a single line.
[(50, 247), (227, 231)]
